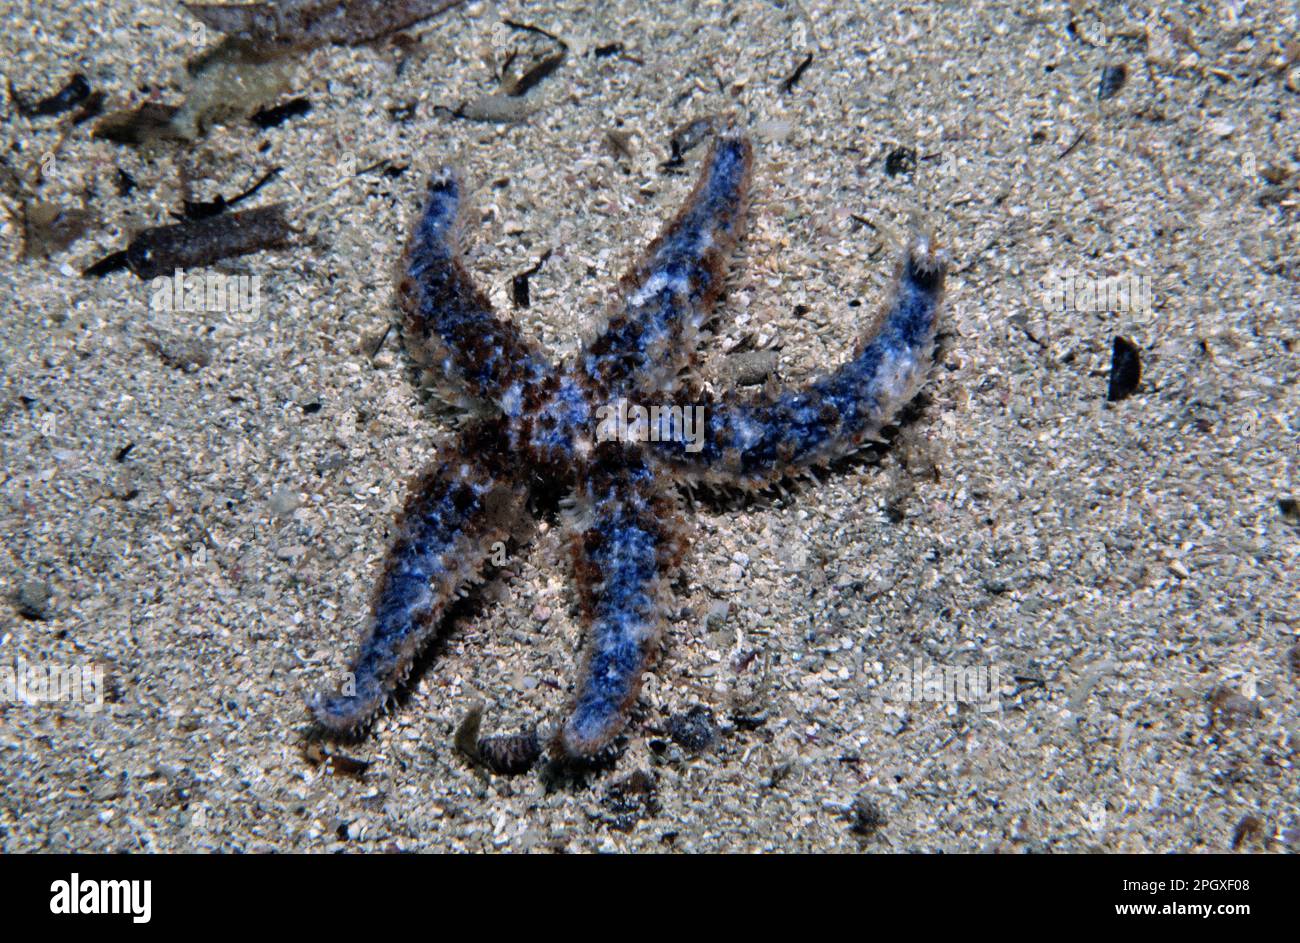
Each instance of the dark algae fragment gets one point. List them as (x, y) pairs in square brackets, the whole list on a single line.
[(533, 75), (76, 91), (125, 183), (45, 227), (791, 80), (92, 107), (684, 138), (630, 799), (865, 816), (277, 115), (519, 284), (204, 209), (900, 160), (1125, 370), (318, 754), (1113, 78), (162, 249)]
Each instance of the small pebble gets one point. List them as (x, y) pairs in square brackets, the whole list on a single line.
[(901, 160), (1249, 828), (717, 615), (1232, 708), (750, 368), (182, 353), (776, 131), (332, 462), (284, 501), (630, 799), (865, 816), (33, 599), (693, 730)]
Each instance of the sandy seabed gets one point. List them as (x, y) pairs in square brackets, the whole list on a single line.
[(1126, 570)]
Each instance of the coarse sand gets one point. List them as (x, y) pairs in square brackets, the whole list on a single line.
[(195, 502)]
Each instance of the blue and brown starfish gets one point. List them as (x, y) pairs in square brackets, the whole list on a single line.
[(545, 427)]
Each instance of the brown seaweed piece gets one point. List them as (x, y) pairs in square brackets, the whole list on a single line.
[(162, 249), (318, 755), (306, 24), (49, 228), (151, 121), (45, 227)]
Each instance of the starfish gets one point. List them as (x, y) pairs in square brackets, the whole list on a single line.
[(621, 429)]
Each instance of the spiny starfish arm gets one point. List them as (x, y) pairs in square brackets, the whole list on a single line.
[(669, 293), (626, 541), (753, 443), (455, 514), (450, 327)]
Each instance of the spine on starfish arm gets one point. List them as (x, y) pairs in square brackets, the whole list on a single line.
[(670, 292), (453, 516), (626, 541), (754, 443), (449, 325)]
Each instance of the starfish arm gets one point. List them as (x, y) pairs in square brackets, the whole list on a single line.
[(450, 327), (670, 292), (626, 542), (455, 515), (756, 442)]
